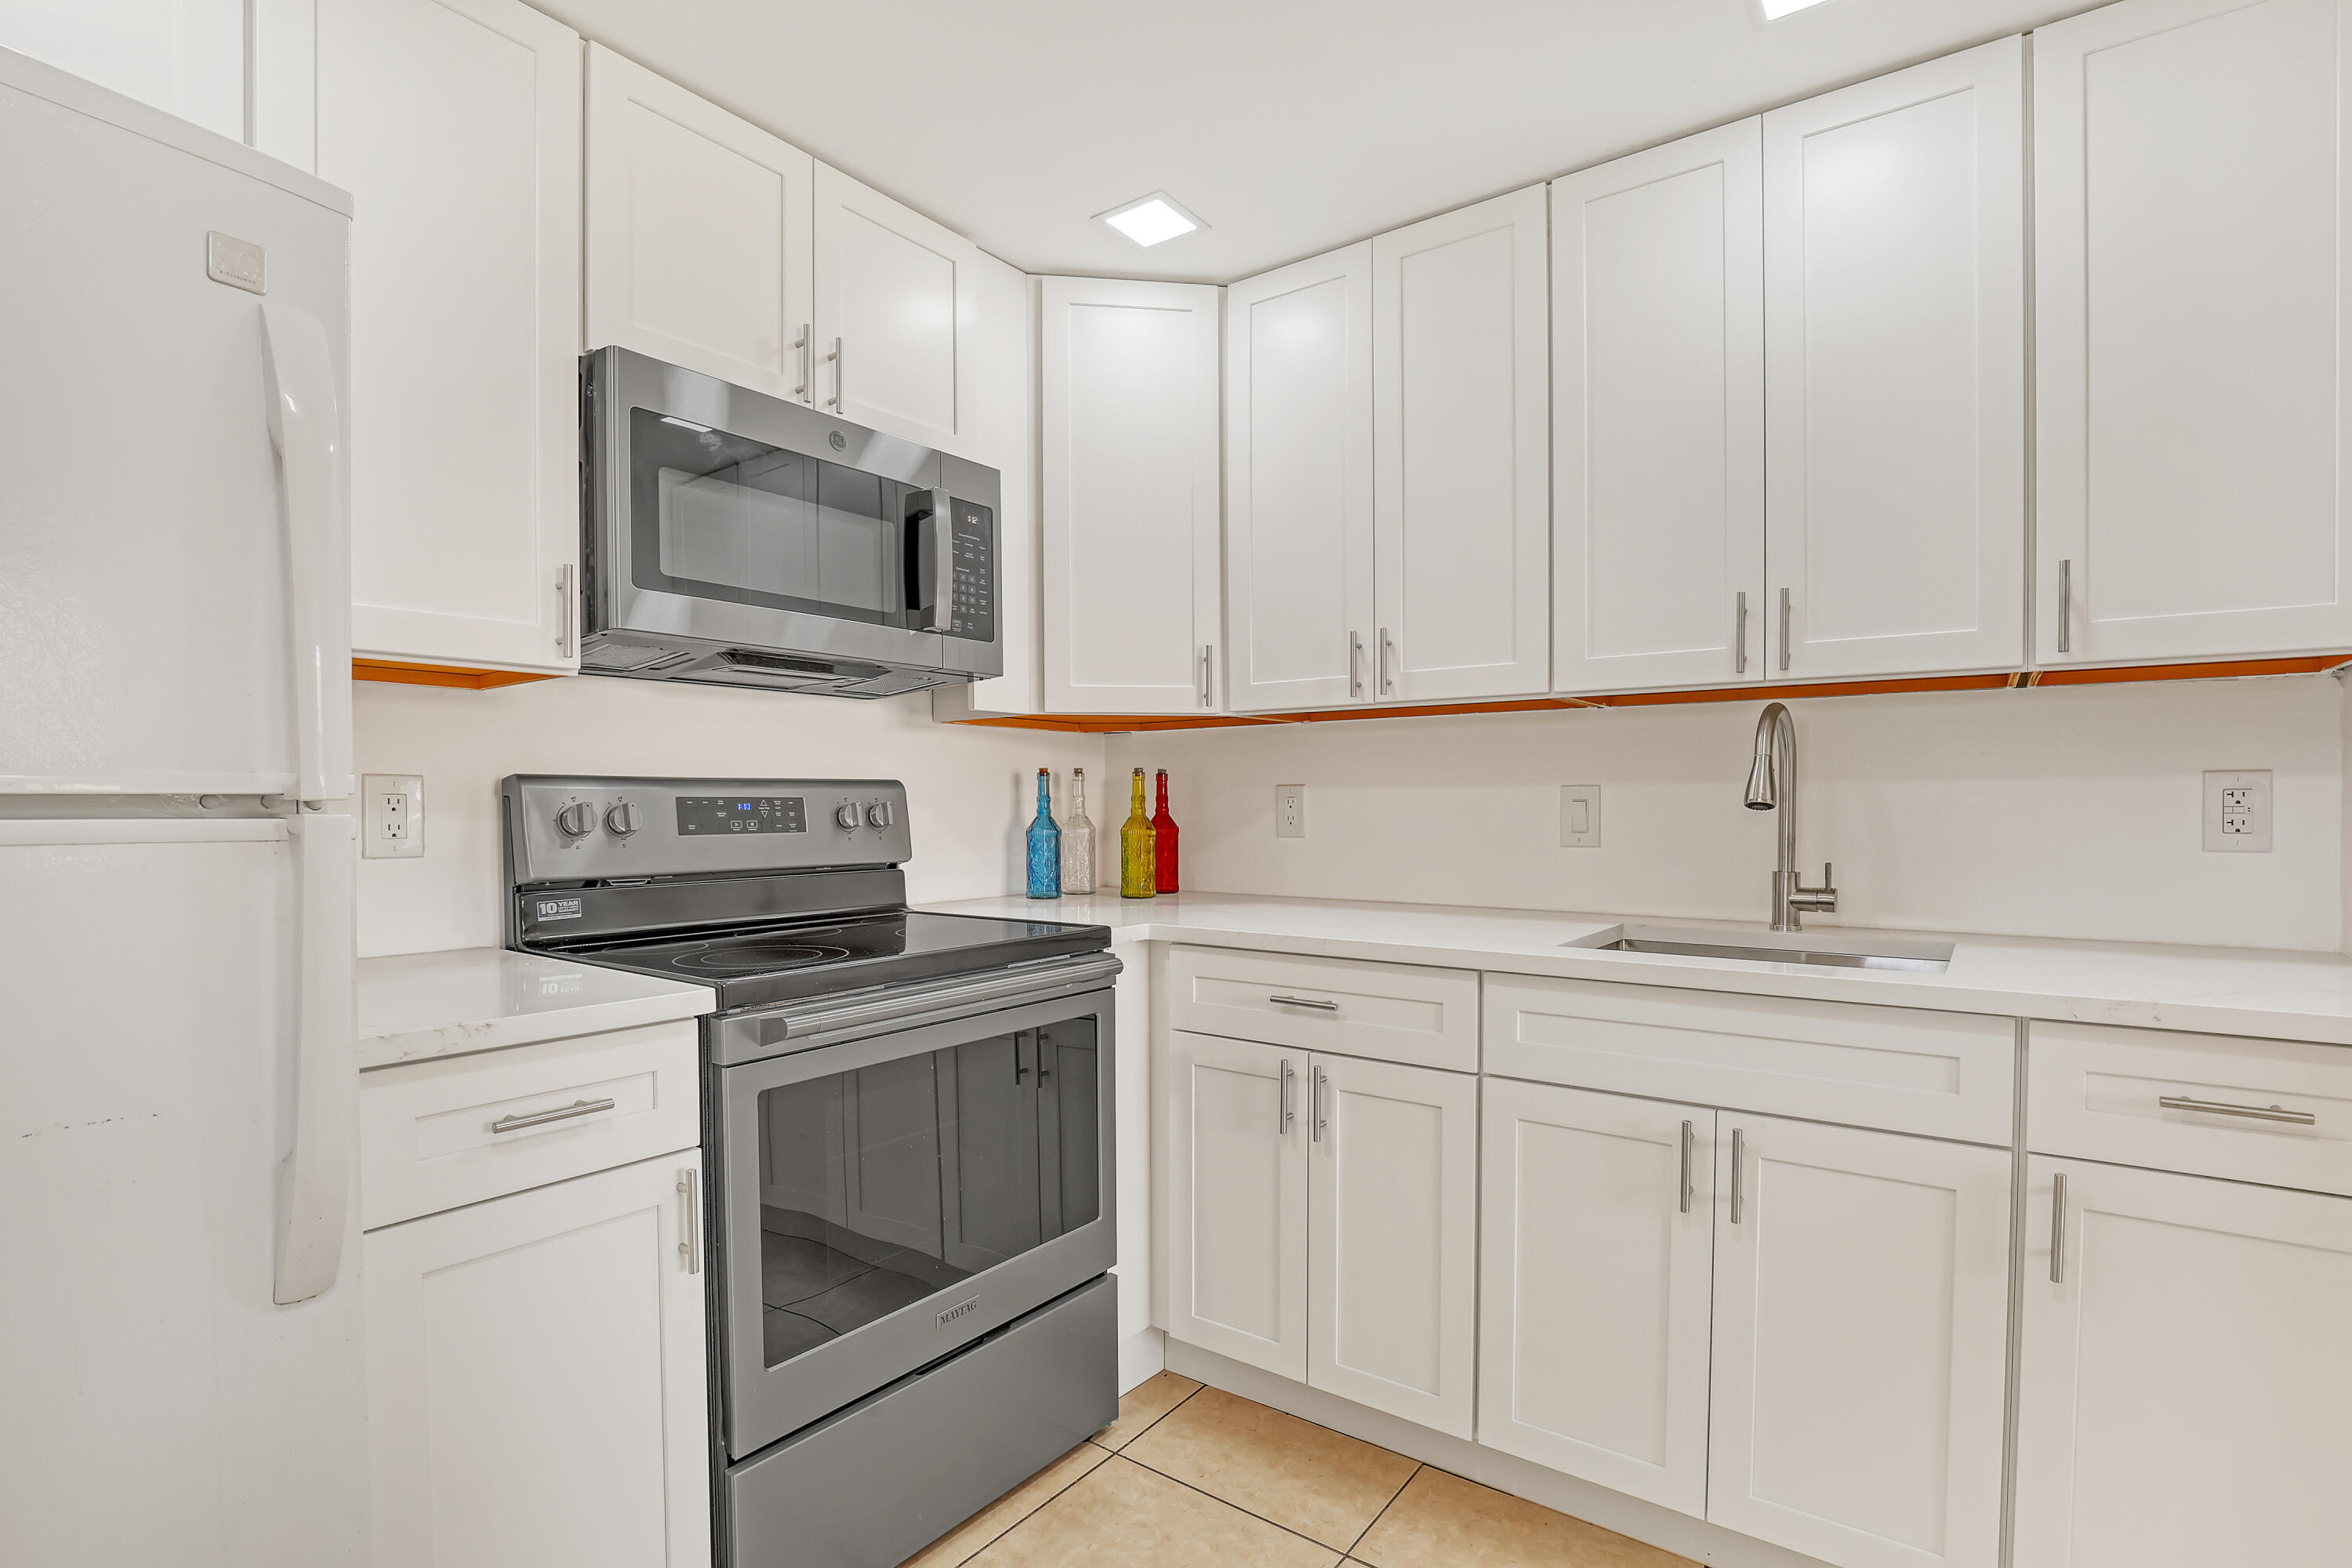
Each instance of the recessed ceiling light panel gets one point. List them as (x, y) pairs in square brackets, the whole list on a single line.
[(1154, 218), (1775, 9)]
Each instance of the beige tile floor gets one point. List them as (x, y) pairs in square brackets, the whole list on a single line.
[(1190, 1477)]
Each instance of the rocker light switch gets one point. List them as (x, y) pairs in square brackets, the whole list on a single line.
[(1579, 816)]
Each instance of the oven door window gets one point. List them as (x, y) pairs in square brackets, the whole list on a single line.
[(885, 1186), (716, 516)]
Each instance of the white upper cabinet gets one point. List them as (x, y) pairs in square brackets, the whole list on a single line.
[(699, 250), (1008, 443), (2191, 331), (185, 57), (1895, 417), (1299, 484), (896, 315), (1129, 484), (1658, 417), (455, 125), (1462, 482)]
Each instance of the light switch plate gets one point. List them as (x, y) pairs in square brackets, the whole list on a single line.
[(2238, 812), (391, 818), (1290, 811), (1579, 816)]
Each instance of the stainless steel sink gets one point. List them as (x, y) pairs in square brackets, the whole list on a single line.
[(1824, 952)]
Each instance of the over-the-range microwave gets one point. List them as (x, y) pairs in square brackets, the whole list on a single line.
[(737, 539)]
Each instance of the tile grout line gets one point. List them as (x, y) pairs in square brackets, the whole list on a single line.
[(1228, 1503), (1417, 1469), (1009, 1529), (1155, 1421)]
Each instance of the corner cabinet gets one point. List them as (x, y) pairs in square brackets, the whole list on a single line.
[(896, 302), (455, 125), (2190, 162), (1895, 371), (1129, 489)]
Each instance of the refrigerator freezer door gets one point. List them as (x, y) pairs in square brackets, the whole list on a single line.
[(164, 1408), (146, 607)]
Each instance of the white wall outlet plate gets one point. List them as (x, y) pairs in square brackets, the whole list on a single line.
[(1579, 816), (2238, 812), (1290, 811), (391, 816)]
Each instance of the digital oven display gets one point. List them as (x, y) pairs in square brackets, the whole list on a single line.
[(709, 815)]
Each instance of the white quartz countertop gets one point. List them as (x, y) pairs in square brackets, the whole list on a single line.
[(421, 1005), (2212, 990)]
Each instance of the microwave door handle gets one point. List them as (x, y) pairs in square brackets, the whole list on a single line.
[(936, 534), (314, 1182), (306, 429)]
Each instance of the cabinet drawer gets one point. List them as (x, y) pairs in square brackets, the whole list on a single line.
[(1948, 1075), (436, 1134), (1394, 1012), (2098, 1092)]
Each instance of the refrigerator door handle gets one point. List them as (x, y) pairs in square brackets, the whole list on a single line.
[(314, 1187), (306, 427)]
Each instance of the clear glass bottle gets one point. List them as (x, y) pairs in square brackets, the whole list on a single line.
[(1077, 840), (1045, 844), (1163, 842), (1135, 877)]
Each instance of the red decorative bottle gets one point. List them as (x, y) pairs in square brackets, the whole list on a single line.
[(1163, 842)]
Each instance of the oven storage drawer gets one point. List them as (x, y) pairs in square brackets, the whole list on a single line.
[(1391, 1011), (2275, 1111), (438, 1134), (870, 1487)]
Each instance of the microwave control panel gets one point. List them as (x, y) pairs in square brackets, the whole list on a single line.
[(973, 544)]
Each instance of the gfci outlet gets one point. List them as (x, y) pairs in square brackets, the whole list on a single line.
[(1290, 811), (2238, 812), (393, 816)]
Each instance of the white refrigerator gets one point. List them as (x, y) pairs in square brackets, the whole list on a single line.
[(182, 1371)]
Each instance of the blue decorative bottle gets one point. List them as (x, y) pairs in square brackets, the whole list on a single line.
[(1045, 844)]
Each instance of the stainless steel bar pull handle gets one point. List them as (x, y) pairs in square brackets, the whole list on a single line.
[(1208, 663), (1285, 1096), (1355, 664), (1388, 646), (1306, 1002), (1738, 1169), (2058, 1229), (1688, 1140), (1740, 633), (2251, 1112), (1319, 1123), (541, 1118), (689, 1245), (834, 401), (2065, 606), (567, 612), (803, 348), (1784, 628)]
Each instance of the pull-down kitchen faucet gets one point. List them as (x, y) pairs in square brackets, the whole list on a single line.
[(1772, 786)]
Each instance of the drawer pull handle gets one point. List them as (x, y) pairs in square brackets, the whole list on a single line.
[(2251, 1112), (541, 1118), (1306, 1002)]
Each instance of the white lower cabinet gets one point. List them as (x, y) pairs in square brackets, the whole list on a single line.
[(1322, 1221), (2185, 1373), (536, 1378), (1599, 1232), (1861, 1343)]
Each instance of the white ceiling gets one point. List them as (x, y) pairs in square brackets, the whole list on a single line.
[(1289, 126)]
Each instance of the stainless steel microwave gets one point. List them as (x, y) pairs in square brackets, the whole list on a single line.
[(737, 539)]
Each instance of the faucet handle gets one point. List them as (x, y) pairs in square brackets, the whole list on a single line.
[(1824, 899)]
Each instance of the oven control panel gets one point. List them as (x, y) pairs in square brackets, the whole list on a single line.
[(567, 828)]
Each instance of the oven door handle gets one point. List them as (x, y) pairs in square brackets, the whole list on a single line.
[(892, 1006), (935, 542)]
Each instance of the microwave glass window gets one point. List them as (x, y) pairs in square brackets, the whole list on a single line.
[(888, 1185)]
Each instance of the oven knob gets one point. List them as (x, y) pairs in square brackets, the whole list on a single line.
[(846, 813), (622, 820), (879, 814), (576, 819)]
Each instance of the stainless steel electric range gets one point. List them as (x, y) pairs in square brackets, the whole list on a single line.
[(907, 1137)]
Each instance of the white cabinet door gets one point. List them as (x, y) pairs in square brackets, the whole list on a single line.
[(185, 57), (1235, 1146), (1598, 1232), (1298, 483), (455, 126), (1861, 1343), (700, 249), (1895, 371), (2190, 329), (2183, 1383), (896, 301), (1658, 397), (1461, 482), (1130, 486), (1392, 1238), (536, 1378), (1008, 443)]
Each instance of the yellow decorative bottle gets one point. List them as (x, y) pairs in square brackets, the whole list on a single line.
[(1135, 848)]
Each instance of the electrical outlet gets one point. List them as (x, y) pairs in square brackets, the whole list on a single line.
[(391, 816), (1290, 811), (2238, 812), (1579, 816)]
